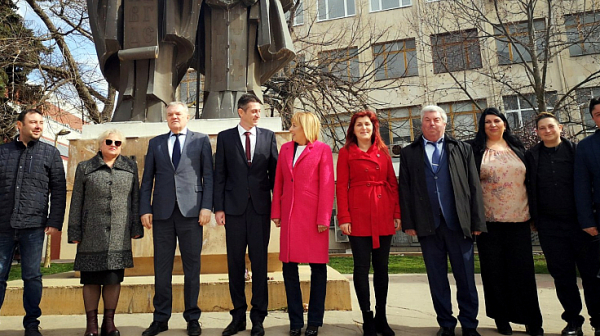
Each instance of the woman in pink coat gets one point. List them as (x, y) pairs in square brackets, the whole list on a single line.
[(368, 212), (302, 204)]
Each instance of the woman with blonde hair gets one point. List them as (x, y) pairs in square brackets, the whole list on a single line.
[(102, 221), (302, 204)]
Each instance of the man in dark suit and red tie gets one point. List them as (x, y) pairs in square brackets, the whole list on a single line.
[(245, 165), (179, 168)]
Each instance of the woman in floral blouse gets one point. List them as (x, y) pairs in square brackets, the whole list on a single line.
[(505, 251)]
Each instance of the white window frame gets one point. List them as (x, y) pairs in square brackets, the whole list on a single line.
[(327, 18), (521, 109), (299, 17), (400, 5)]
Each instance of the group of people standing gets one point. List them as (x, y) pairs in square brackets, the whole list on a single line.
[(451, 194), (495, 192)]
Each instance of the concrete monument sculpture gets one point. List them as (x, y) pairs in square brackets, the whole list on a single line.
[(145, 47), (241, 44)]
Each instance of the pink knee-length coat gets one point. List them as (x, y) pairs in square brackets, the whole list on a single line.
[(302, 200)]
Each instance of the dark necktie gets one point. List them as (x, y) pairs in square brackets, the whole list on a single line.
[(176, 156), (435, 158), (248, 156)]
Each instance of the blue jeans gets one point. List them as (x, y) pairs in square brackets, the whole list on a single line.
[(31, 243)]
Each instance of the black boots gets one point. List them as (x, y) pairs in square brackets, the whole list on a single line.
[(92, 323), (381, 324), (369, 324), (108, 324)]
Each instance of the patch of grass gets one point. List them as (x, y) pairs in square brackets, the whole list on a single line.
[(15, 270), (414, 264)]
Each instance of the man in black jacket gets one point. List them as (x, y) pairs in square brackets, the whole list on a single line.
[(31, 173), (567, 248), (442, 204)]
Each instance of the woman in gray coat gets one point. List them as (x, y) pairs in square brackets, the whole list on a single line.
[(102, 220)]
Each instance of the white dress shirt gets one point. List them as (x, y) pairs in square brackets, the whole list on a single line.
[(252, 131), (171, 141)]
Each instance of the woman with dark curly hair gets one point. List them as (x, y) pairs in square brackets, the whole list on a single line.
[(505, 251)]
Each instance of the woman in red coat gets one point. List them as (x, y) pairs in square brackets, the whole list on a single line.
[(369, 213), (302, 203)]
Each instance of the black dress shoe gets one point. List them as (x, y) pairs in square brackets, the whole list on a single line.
[(155, 328), (503, 327), (470, 332), (257, 329), (32, 331), (193, 328), (534, 330), (572, 330), (234, 327), (311, 331), (445, 331), (295, 332)]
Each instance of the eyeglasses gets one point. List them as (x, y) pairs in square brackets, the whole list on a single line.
[(109, 142)]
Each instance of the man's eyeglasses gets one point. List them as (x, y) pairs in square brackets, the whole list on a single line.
[(109, 142)]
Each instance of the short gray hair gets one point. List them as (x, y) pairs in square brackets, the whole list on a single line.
[(178, 103), (105, 135), (434, 108)]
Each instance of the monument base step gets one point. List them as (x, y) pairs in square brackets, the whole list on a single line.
[(62, 294)]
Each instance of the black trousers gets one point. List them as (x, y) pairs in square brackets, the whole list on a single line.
[(566, 253), (318, 290), (166, 233), (364, 255), (437, 249), (508, 274), (250, 230)]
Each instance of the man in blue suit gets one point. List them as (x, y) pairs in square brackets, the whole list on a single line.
[(442, 204), (179, 169), (587, 188)]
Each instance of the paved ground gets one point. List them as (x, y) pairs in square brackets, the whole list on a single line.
[(410, 312)]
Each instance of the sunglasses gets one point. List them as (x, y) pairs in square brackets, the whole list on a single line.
[(109, 142)]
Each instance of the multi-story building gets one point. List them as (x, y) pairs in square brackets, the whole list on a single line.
[(462, 55)]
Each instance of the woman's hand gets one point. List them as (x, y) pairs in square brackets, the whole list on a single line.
[(397, 224), (321, 228), (277, 222), (346, 228)]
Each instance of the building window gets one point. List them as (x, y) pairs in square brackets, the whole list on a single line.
[(298, 16), (399, 126), (463, 117), (381, 5), (584, 95), (334, 9), (187, 88), (335, 128), (395, 59), (342, 63), (583, 30), (456, 51), (520, 111), (516, 48)]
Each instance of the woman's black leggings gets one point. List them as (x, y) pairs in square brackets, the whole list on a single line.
[(362, 250)]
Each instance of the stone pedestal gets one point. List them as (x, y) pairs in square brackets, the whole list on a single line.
[(138, 134)]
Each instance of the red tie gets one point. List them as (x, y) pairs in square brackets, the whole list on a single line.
[(248, 157)]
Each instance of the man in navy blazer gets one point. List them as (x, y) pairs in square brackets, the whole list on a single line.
[(587, 188), (245, 165), (178, 178)]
